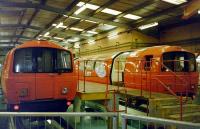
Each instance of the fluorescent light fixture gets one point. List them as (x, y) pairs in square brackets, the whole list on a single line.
[(80, 4), (74, 17), (76, 29), (58, 38), (91, 42), (92, 32), (113, 35), (111, 11), (90, 21), (176, 2), (73, 39), (81, 9), (77, 45), (89, 6), (131, 16), (92, 6), (46, 34), (65, 15), (60, 25), (148, 26)]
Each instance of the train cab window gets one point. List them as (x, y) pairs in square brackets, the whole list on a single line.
[(63, 60), (147, 65), (41, 60), (44, 60), (23, 61), (179, 62)]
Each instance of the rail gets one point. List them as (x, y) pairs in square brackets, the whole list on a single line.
[(155, 123)]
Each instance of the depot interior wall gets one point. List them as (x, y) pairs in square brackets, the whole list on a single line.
[(124, 41), (181, 33)]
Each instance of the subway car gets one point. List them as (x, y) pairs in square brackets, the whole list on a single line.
[(39, 76), (163, 69)]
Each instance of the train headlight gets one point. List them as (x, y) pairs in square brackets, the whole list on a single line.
[(16, 107), (64, 90)]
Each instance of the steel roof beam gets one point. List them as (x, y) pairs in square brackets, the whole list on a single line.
[(19, 26), (67, 9), (152, 17), (42, 2), (10, 12), (58, 10), (90, 15), (14, 36)]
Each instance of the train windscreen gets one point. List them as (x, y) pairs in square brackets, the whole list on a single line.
[(179, 62), (42, 60)]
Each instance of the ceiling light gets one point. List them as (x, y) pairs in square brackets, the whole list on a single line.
[(77, 29), (58, 38), (74, 17), (80, 4), (92, 6), (91, 42), (111, 11), (81, 9), (148, 26), (89, 6), (60, 25), (92, 32), (176, 2), (65, 15), (90, 21), (113, 35), (46, 34), (131, 16)]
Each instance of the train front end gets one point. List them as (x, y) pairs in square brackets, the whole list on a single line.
[(38, 76), (179, 72)]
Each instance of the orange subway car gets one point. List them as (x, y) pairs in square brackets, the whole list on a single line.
[(163, 69), (39, 76)]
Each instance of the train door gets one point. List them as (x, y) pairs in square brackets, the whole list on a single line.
[(64, 79), (147, 63), (117, 76), (24, 73), (44, 73)]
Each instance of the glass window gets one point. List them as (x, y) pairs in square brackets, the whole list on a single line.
[(90, 65), (63, 61), (179, 62), (23, 60), (100, 69), (42, 60), (147, 65)]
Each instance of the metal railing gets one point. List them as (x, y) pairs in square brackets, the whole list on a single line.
[(57, 120), (83, 120), (143, 122)]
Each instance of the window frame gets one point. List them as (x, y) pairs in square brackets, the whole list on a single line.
[(34, 56)]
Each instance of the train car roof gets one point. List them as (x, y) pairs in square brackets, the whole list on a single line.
[(39, 43), (156, 50)]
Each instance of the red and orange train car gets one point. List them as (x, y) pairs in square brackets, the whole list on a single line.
[(38, 76), (163, 69)]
